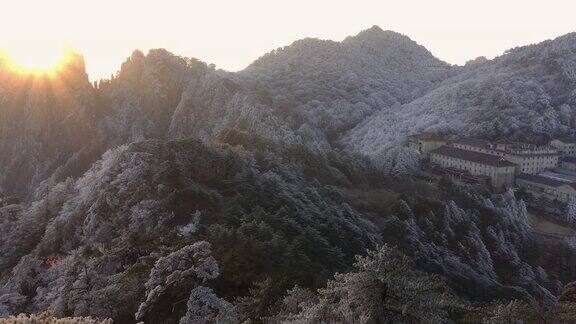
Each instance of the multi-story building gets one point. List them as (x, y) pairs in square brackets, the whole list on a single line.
[(499, 163), (426, 142), (544, 186), (568, 163), (528, 158), (531, 158), (565, 145), (477, 145), (499, 170)]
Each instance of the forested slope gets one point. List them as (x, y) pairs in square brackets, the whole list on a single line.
[(176, 191), (528, 94)]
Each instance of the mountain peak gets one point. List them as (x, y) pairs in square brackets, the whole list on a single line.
[(74, 66), (391, 44), (375, 33), (374, 29)]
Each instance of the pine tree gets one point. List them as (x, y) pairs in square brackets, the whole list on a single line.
[(382, 288), (192, 263)]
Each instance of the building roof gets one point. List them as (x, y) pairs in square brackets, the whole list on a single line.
[(476, 142), (541, 180), (472, 156), (569, 159), (514, 148), (428, 136), (561, 176), (505, 141), (568, 139)]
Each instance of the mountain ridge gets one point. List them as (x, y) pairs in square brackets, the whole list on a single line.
[(313, 93), (273, 179), (523, 94)]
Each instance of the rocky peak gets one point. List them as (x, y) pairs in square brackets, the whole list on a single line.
[(387, 43)]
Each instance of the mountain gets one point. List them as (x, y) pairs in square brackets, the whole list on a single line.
[(178, 192), (45, 124), (108, 225), (305, 94), (57, 127), (334, 85), (529, 93)]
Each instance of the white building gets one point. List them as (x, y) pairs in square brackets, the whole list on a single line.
[(565, 145), (568, 163), (426, 142), (550, 188), (500, 171), (528, 158)]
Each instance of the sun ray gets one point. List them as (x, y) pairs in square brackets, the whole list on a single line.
[(37, 63)]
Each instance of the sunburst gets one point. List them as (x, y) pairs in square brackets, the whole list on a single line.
[(35, 62)]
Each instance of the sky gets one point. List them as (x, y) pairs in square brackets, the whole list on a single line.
[(232, 34)]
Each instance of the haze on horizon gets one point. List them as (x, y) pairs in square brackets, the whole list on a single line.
[(232, 34)]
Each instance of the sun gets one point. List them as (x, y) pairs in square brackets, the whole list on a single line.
[(35, 61)]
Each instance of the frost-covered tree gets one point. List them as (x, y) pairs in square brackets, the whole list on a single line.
[(10, 303), (45, 317), (205, 307), (192, 262), (383, 287)]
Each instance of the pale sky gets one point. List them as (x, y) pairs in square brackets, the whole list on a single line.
[(232, 34)]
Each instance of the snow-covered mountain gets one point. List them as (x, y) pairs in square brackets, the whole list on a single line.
[(304, 94), (175, 181), (527, 93), (156, 193), (55, 128), (334, 85)]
